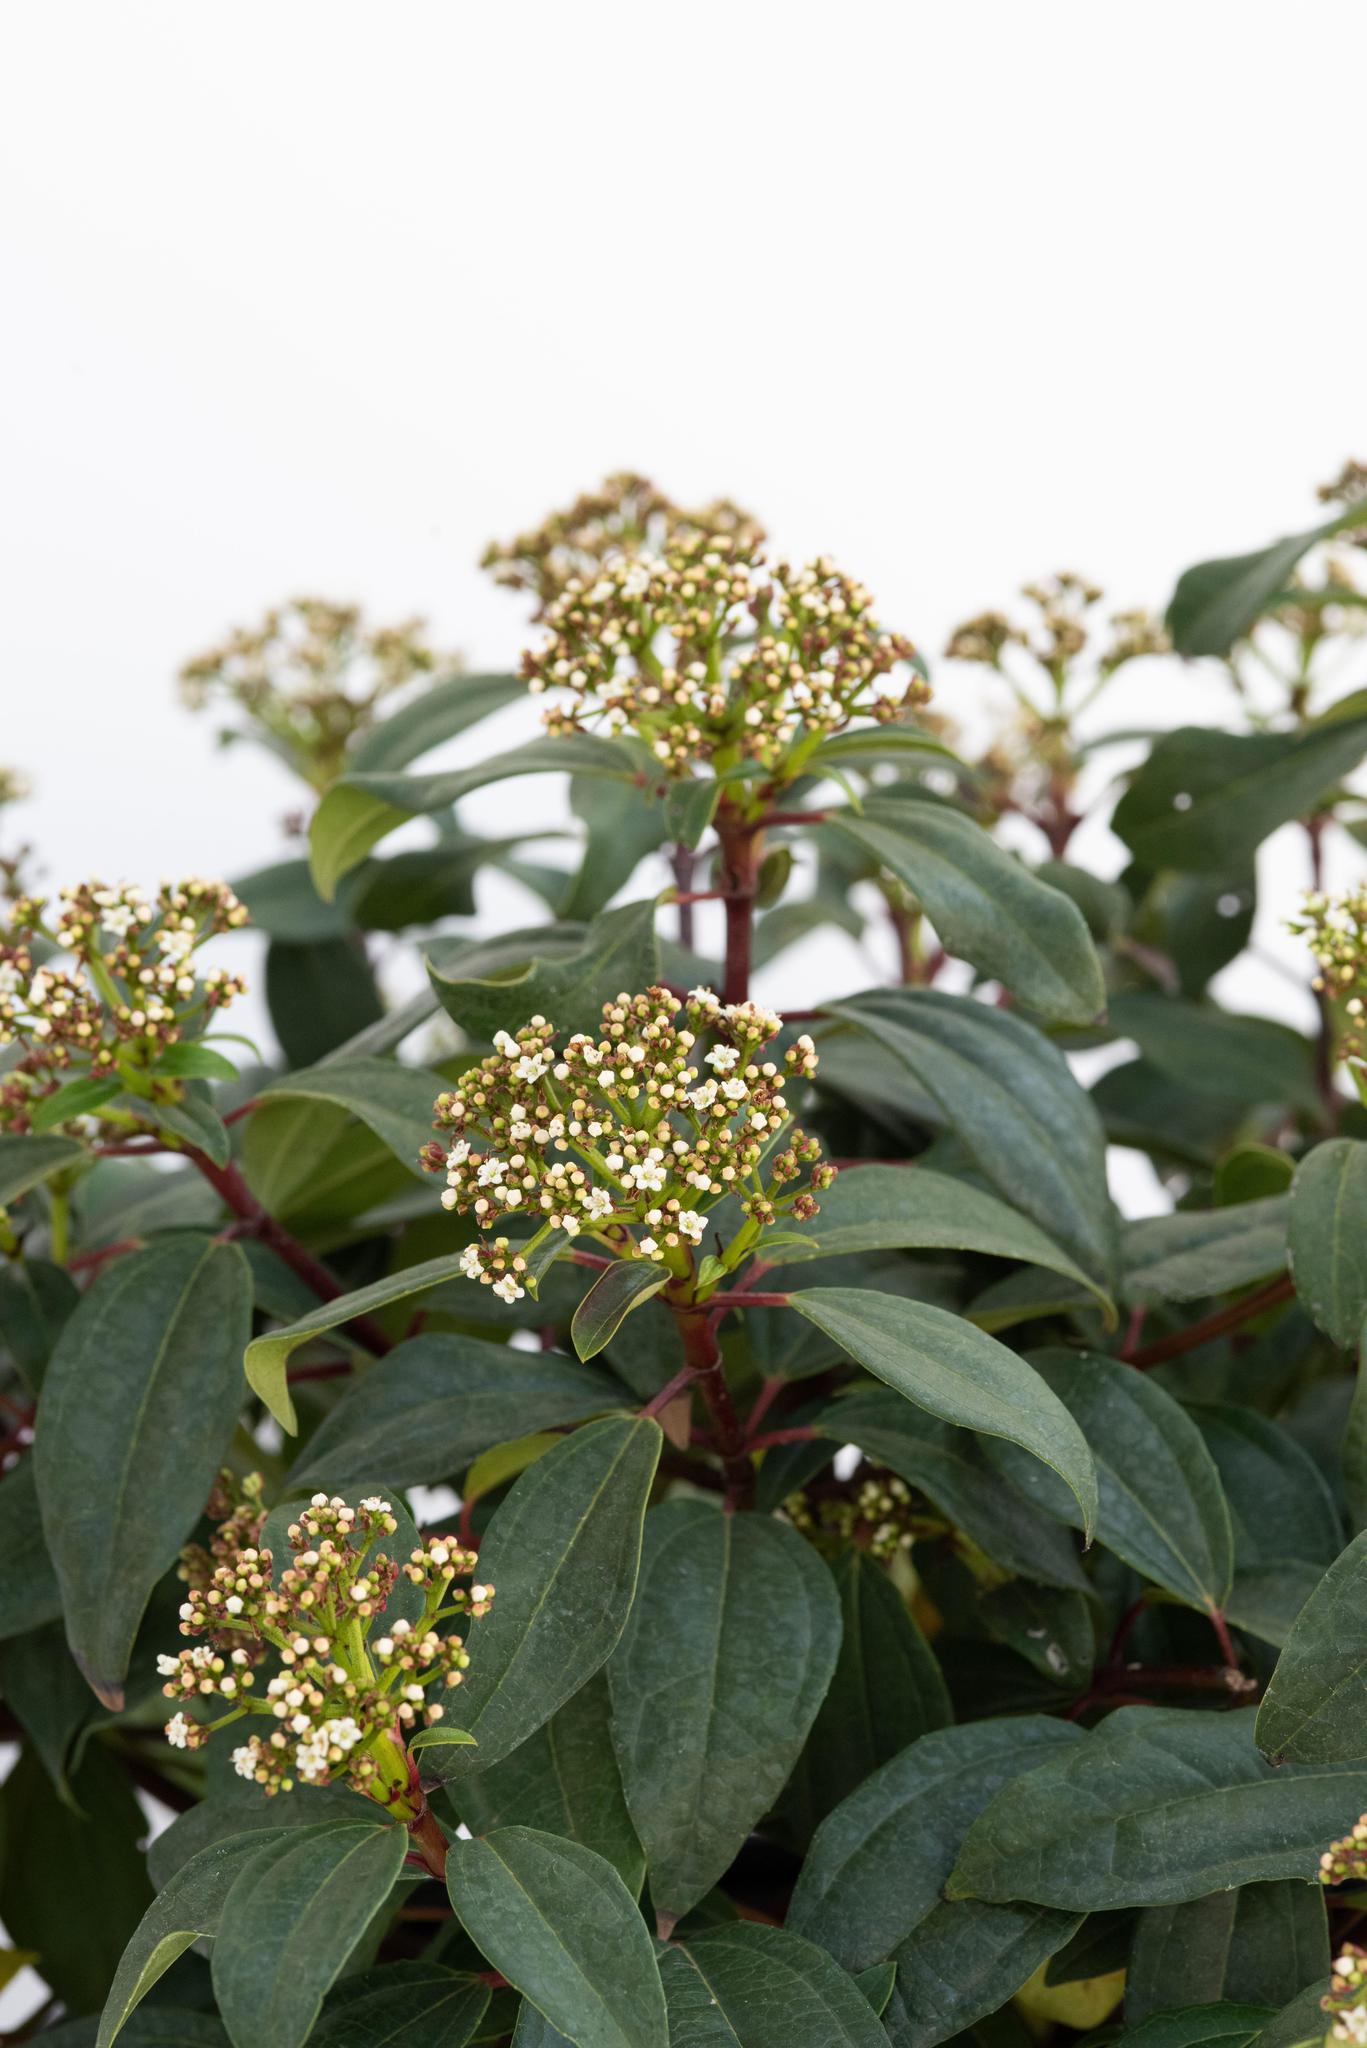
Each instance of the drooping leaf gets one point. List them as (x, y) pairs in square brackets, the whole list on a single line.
[(1195, 1252), (1328, 1237), (1260, 1944), (561, 1926), (762, 1987), (879, 1208), (437, 1401), (1315, 1708), (294, 1914), (949, 1466), (1205, 799), (25, 1162), (137, 1409), (726, 1658), (885, 1691), (1156, 1805), (187, 1907), (871, 1887), (1011, 1100), (361, 809), (394, 1101), (285, 905), (944, 1365), (612, 1297), (562, 1553), (569, 985), (564, 1781), (1161, 1506), (986, 906)]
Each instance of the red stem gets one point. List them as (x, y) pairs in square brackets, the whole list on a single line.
[(702, 1353), (670, 1390), (1212, 1326), (783, 1436)]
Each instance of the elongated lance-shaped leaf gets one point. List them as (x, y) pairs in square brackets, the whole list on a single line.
[(293, 1916), (610, 1300), (986, 905), (138, 1406), (562, 1553), (1156, 1805), (1328, 1237), (1197, 1252), (1216, 602), (726, 1659), (762, 1987), (1315, 1709), (438, 714), (944, 1365), (561, 1926), (187, 1907)]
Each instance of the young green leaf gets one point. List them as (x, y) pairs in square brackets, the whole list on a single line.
[(558, 1922), (437, 1401), (1161, 1506), (1328, 1237), (1315, 1708), (986, 906), (943, 1364), (294, 1914), (612, 1297), (137, 1409), (1010, 1097), (562, 1552), (1156, 1805), (727, 1656), (563, 1780), (762, 1987), (187, 1908)]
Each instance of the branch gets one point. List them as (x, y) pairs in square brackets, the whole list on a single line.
[(1212, 1326)]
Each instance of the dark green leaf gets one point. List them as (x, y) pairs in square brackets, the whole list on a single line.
[(361, 809), (1328, 1237), (1315, 1709), (1285, 1524), (245, 1810), (285, 905), (941, 1363), (561, 1926), (194, 1121), (622, 825), (618, 951), (1260, 1944), (1207, 799), (24, 1162), (612, 1297), (394, 1101), (1156, 1805), (1196, 1252), (72, 1886), (437, 1401), (762, 1987), (187, 1908), (563, 1780), (36, 1300), (1251, 1059), (81, 1097), (886, 1690), (29, 1592), (986, 906), (1052, 1629), (1012, 1101), (438, 714), (137, 1409), (1201, 2026), (294, 1914), (689, 807), (402, 2005), (727, 1656), (1161, 1506), (871, 1887), (562, 1551), (1216, 602), (1299, 2024), (319, 995)]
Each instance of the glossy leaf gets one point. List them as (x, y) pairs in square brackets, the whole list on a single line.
[(437, 1401), (138, 1406), (1010, 1098), (943, 1364), (1156, 1805), (562, 1551), (1328, 1237), (294, 1914), (561, 1926), (730, 1648), (985, 905), (762, 1987)]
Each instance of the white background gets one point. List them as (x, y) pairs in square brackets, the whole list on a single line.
[(319, 297)]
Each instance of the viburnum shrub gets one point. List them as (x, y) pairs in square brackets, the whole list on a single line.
[(578, 1506)]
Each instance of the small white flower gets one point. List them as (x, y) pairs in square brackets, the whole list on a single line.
[(508, 1290), (167, 1667), (647, 1248), (723, 1058), (690, 1224), (505, 1043), (244, 1759), (178, 1732)]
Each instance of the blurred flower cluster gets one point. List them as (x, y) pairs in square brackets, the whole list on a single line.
[(628, 1138), (1335, 928)]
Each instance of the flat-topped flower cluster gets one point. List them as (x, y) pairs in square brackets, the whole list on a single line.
[(709, 655), (103, 981), (628, 1138), (625, 515), (341, 1696), (1335, 928)]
